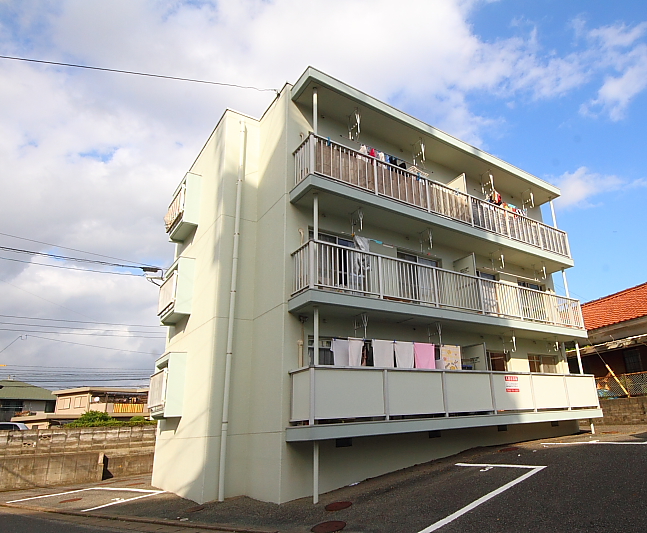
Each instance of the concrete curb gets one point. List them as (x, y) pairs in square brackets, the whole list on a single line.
[(174, 523)]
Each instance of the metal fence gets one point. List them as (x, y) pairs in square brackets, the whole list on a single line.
[(316, 155), (622, 386), (338, 268)]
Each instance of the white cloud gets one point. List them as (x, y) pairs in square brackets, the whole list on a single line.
[(581, 186), (617, 92)]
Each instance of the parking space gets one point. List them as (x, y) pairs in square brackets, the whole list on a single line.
[(88, 499), (578, 483)]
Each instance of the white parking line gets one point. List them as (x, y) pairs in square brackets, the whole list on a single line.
[(489, 496), (592, 442), (146, 494), (124, 501)]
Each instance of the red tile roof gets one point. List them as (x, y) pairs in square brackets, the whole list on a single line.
[(619, 307)]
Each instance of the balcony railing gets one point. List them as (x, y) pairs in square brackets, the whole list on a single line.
[(176, 209), (128, 407), (317, 155), (167, 293), (327, 266), (326, 394)]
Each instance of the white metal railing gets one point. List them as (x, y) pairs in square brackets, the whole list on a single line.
[(317, 155), (157, 390), (176, 209), (345, 393), (167, 293), (328, 266)]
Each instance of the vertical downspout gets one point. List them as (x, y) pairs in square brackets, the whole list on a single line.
[(232, 308)]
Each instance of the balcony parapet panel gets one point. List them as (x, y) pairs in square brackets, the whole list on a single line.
[(326, 266), (327, 396), (181, 219), (176, 293), (319, 156)]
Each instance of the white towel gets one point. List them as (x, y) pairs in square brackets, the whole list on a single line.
[(404, 354), (383, 353), (355, 351), (340, 352)]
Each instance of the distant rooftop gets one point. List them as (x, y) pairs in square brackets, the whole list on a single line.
[(101, 390), (19, 390), (628, 304)]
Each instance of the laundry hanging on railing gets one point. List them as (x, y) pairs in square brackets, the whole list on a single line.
[(425, 355), (383, 353), (450, 356), (382, 156), (355, 347), (339, 349), (404, 357)]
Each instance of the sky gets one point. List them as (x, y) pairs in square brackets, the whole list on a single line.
[(89, 160)]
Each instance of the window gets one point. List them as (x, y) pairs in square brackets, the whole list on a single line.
[(325, 351), (416, 282), (488, 293), (11, 406), (64, 403), (497, 361), (529, 285), (543, 363), (78, 401), (633, 362)]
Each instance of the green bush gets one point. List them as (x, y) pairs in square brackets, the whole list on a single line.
[(100, 419)]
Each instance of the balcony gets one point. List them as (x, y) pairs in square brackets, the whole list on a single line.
[(338, 402), (323, 157), (320, 265), (181, 218), (176, 293), (166, 392)]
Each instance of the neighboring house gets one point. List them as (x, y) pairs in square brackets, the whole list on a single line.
[(340, 231), (18, 397), (120, 403), (617, 335)]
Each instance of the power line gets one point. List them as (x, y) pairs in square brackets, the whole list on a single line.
[(87, 345), (76, 269), (71, 249), (83, 334), (135, 73), (77, 328), (81, 321), (78, 259)]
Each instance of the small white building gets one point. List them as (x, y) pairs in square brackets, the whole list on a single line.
[(354, 292)]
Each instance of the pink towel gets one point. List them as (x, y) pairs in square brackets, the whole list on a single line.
[(425, 355)]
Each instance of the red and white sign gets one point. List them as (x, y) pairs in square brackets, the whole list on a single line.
[(512, 383)]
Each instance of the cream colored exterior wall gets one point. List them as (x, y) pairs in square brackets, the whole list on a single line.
[(260, 463)]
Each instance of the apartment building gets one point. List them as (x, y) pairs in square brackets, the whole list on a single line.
[(354, 292)]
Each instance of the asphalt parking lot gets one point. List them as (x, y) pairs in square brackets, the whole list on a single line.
[(578, 483)]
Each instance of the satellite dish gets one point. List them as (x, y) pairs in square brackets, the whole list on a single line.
[(96, 399)]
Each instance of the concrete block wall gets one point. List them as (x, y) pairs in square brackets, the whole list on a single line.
[(122, 440), (624, 411), (76, 455)]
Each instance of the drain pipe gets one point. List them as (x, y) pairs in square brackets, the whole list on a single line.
[(232, 309)]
